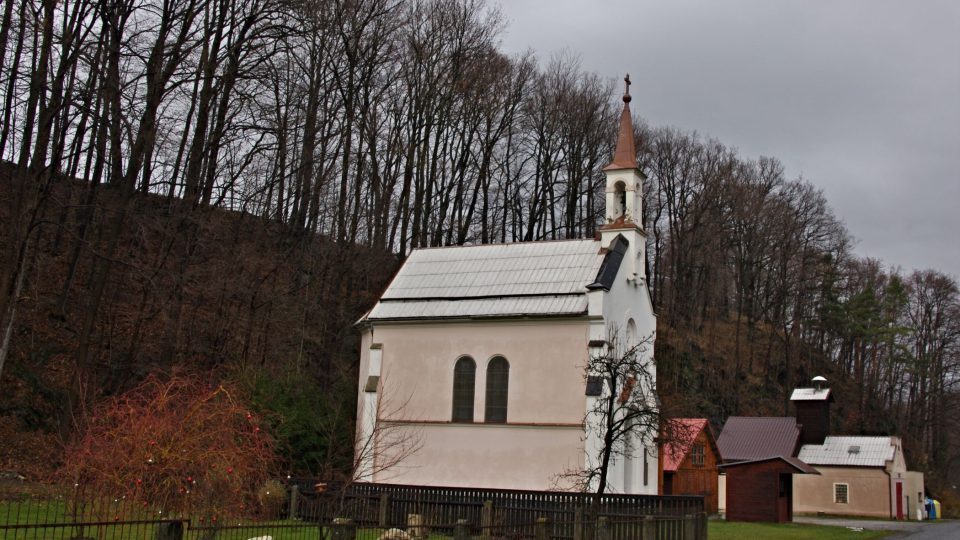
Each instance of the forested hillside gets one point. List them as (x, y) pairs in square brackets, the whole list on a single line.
[(223, 187)]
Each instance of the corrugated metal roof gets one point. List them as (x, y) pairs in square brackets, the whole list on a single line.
[(758, 437), (850, 451), (497, 270), (533, 278), (810, 394)]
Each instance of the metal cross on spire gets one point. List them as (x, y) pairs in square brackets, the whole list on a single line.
[(626, 88)]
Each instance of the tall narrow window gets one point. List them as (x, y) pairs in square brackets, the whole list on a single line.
[(619, 200), (464, 376), (498, 382), (646, 468)]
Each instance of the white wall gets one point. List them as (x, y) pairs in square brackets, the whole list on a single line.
[(629, 300), (490, 456), (543, 438)]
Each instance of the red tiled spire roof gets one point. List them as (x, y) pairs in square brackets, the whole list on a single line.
[(625, 156)]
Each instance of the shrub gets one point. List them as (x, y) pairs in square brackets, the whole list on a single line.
[(272, 497), (175, 445), (313, 425)]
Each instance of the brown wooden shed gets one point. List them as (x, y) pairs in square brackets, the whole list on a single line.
[(690, 457), (762, 490)]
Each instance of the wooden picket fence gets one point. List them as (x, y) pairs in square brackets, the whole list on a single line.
[(500, 513), (366, 512)]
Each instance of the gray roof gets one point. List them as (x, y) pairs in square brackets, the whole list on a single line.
[(810, 394), (850, 451), (747, 438), (534, 278)]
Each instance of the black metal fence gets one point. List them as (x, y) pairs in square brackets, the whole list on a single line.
[(366, 512), (33, 513)]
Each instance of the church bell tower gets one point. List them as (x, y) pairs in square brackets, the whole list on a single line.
[(624, 194)]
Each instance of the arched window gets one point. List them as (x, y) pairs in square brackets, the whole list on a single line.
[(632, 338), (498, 382), (620, 199), (464, 375)]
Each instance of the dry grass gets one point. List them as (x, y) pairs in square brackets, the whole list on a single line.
[(726, 530)]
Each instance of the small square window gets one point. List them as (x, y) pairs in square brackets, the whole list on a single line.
[(594, 386), (841, 493), (697, 455)]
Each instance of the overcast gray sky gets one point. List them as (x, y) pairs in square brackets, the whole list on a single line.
[(861, 98)]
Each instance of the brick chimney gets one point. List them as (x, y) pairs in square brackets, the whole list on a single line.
[(813, 411)]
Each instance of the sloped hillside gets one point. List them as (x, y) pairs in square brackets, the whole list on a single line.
[(203, 290)]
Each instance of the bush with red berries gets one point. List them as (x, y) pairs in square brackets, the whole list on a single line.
[(177, 446)]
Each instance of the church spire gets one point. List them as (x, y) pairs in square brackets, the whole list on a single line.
[(625, 156), (624, 196)]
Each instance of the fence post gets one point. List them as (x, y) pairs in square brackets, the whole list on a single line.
[(294, 492), (168, 530), (702, 526), (649, 528), (543, 529), (486, 521), (461, 531), (343, 529), (384, 510), (603, 528), (690, 527), (578, 523)]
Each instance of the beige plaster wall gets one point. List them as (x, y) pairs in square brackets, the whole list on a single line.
[(489, 456), (547, 360), (543, 437), (913, 490), (869, 490), (722, 493)]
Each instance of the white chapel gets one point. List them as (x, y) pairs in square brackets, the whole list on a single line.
[(472, 362)]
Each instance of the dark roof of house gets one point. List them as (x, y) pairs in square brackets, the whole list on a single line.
[(746, 438), (800, 466)]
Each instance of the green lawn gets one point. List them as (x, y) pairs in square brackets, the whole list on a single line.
[(31, 513), (726, 530)]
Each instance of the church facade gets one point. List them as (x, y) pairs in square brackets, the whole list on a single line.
[(473, 361)]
